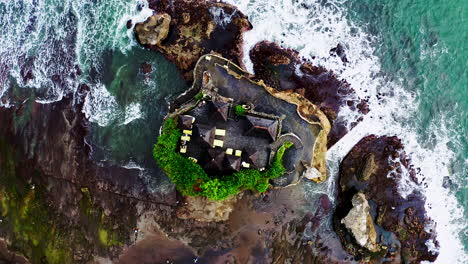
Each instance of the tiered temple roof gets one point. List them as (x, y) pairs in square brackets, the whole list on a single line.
[(262, 127), (185, 122), (206, 133), (219, 110)]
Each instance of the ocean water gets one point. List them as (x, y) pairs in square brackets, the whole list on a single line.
[(413, 52)]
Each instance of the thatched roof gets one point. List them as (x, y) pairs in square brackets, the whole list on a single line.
[(215, 160), (232, 163), (251, 155)]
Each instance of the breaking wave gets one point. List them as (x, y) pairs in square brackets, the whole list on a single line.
[(53, 46), (313, 28)]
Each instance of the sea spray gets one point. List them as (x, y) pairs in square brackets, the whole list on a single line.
[(313, 28), (61, 42)]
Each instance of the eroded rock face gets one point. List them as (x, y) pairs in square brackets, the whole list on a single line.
[(282, 69), (359, 222), (373, 170), (183, 30), (154, 29), (205, 210)]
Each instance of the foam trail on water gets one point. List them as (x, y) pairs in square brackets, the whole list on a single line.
[(313, 28)]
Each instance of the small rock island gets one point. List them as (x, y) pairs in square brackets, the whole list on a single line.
[(235, 133)]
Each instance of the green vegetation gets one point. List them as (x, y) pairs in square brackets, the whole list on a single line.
[(191, 180), (198, 96), (239, 110)]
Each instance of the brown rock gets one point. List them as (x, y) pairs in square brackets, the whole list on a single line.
[(195, 28), (205, 210), (401, 220), (283, 69), (154, 30)]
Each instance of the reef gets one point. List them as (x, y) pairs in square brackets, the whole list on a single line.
[(57, 205), (391, 226), (284, 70), (185, 30)]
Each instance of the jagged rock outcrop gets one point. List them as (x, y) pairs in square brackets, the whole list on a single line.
[(360, 223), (154, 30), (309, 240), (375, 169), (283, 69), (184, 30)]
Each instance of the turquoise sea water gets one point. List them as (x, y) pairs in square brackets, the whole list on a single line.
[(414, 51), (423, 46)]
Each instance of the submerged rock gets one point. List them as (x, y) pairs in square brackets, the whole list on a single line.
[(283, 70), (370, 180), (340, 52), (185, 30)]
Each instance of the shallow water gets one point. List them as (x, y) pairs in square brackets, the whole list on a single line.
[(411, 52)]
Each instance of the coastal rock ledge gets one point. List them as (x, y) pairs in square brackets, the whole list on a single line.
[(185, 30), (376, 221)]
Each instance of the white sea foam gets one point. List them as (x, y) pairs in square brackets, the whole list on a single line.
[(131, 165), (313, 28), (132, 112), (220, 16), (41, 30), (58, 35), (100, 106), (109, 33)]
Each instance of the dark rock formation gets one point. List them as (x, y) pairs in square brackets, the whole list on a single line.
[(309, 240), (183, 30), (77, 208), (282, 69), (340, 52), (399, 221)]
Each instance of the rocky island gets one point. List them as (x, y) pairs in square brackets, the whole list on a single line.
[(232, 126), (239, 149)]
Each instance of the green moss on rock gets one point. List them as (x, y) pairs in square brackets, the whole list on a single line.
[(26, 216)]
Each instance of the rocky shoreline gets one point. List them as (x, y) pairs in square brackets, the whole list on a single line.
[(102, 212)]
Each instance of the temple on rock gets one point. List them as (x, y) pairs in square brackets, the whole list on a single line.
[(222, 141), (230, 123)]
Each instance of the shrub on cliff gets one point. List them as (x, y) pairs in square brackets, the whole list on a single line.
[(239, 110), (190, 179)]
